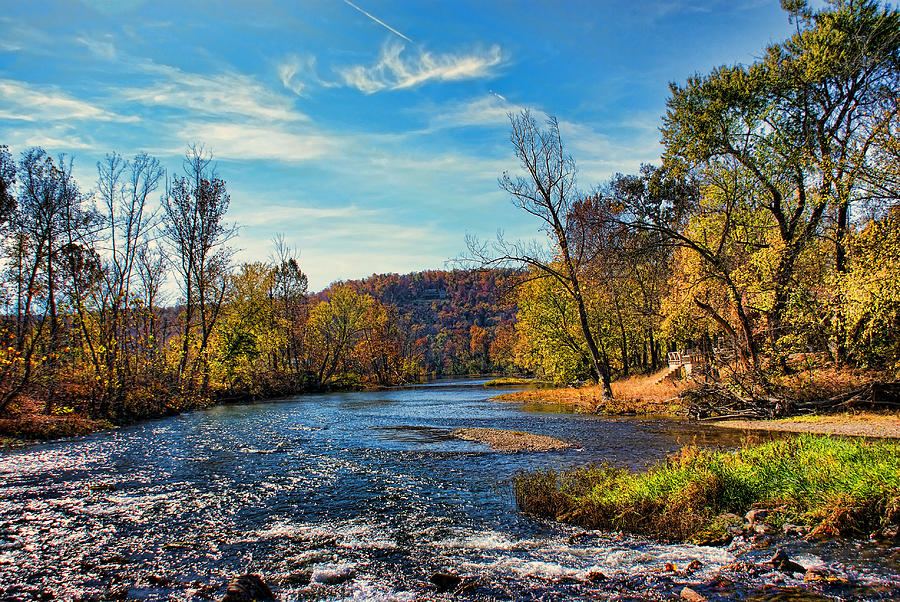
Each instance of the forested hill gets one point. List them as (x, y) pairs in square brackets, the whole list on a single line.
[(464, 320)]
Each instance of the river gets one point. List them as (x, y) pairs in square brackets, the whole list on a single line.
[(361, 495)]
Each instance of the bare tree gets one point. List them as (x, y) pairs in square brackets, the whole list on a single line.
[(548, 192), (102, 303)]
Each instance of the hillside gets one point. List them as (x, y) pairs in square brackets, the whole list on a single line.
[(463, 319)]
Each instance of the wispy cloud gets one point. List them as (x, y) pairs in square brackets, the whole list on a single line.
[(393, 71), (379, 21), (17, 36), (489, 110), (268, 142), (102, 46), (52, 138), (297, 73), (290, 216), (29, 102), (226, 94)]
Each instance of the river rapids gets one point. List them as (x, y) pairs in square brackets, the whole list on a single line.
[(363, 495)]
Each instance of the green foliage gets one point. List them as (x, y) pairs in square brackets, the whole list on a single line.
[(870, 293), (810, 479), (547, 322)]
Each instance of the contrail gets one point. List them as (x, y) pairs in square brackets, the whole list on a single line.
[(379, 21)]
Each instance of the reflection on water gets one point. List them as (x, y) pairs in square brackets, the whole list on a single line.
[(347, 495)]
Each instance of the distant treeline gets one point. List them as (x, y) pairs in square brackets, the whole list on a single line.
[(85, 329), (463, 321)]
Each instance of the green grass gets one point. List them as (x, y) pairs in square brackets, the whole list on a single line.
[(836, 486), (509, 381)]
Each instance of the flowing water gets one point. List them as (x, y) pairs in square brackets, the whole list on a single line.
[(360, 495)]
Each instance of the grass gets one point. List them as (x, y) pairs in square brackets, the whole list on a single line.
[(838, 487), (650, 394), (508, 381)]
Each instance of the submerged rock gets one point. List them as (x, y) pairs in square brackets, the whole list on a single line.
[(783, 563), (297, 578), (444, 582), (825, 575), (692, 595), (248, 588), (333, 575)]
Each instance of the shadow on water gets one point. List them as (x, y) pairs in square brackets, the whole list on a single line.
[(354, 495)]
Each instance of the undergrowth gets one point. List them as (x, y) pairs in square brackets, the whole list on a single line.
[(837, 486)]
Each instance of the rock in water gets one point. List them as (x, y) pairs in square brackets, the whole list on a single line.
[(784, 564), (692, 595), (825, 575), (444, 582), (248, 588)]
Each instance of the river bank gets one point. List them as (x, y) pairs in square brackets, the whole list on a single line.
[(862, 424), (646, 395), (828, 486)]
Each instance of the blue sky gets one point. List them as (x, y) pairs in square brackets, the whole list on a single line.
[(370, 133)]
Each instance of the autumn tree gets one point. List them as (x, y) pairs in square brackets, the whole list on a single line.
[(334, 330), (194, 225), (547, 191), (103, 285)]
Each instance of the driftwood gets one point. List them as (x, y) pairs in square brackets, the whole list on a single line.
[(717, 402)]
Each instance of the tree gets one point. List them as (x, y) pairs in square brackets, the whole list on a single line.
[(194, 224), (291, 312), (102, 305), (51, 222), (335, 326), (794, 131), (547, 191), (7, 186)]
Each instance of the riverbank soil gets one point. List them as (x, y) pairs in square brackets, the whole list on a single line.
[(862, 424), (644, 394)]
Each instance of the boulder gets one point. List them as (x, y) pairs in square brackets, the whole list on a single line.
[(692, 566), (824, 575), (692, 595), (783, 563), (445, 582), (756, 515), (789, 529), (248, 588)]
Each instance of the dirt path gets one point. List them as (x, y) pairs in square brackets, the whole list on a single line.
[(860, 425), (510, 441)]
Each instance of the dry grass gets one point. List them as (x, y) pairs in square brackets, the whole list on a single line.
[(822, 382), (25, 423), (651, 394)]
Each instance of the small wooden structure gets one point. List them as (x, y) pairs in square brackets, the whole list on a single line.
[(686, 360)]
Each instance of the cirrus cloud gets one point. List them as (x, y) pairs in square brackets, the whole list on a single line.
[(394, 71)]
